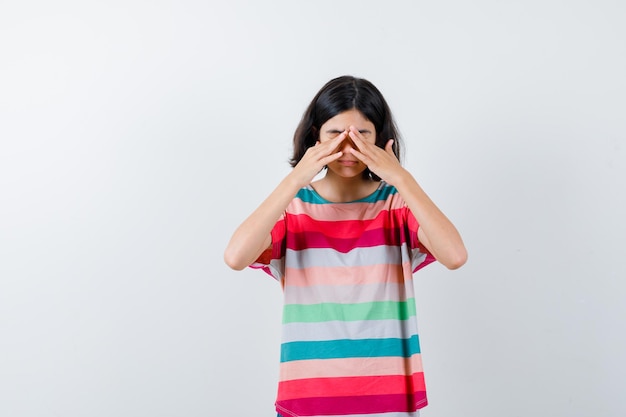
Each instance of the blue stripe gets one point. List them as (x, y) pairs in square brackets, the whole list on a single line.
[(347, 348), (309, 195)]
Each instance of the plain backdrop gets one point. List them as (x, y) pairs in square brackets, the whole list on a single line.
[(136, 135)]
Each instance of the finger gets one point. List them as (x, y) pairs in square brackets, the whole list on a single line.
[(357, 138), (389, 147), (341, 137), (329, 146), (335, 142), (361, 156), (354, 133), (330, 158)]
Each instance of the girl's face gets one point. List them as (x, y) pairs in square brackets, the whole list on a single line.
[(347, 165)]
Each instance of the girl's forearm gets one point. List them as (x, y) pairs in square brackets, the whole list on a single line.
[(253, 236), (438, 233)]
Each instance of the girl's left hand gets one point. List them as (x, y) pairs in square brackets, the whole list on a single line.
[(382, 162)]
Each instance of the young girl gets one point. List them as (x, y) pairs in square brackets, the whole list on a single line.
[(344, 249)]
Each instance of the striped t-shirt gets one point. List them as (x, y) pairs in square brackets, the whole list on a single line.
[(349, 340)]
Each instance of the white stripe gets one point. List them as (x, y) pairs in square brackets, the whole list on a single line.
[(375, 255), (418, 257), (334, 330), (348, 294)]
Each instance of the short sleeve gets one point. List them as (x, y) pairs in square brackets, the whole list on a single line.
[(272, 260), (420, 256)]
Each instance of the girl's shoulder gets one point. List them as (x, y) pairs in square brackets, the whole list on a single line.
[(307, 194)]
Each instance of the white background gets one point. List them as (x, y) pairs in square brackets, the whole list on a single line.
[(136, 135)]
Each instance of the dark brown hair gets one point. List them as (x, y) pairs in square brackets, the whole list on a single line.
[(337, 96)]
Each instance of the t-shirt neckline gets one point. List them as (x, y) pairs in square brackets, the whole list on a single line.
[(360, 200)]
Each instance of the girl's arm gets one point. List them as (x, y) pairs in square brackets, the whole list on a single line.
[(253, 236), (436, 232)]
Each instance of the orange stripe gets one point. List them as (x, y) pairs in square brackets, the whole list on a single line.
[(327, 368)]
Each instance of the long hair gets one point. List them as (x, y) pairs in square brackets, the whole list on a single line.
[(337, 96)]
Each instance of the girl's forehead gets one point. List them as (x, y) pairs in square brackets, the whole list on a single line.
[(348, 118)]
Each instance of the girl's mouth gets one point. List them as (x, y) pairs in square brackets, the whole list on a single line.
[(348, 162)]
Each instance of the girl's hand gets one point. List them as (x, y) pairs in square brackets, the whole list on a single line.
[(316, 158), (382, 162)]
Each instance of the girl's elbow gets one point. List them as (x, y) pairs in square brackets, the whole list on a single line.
[(458, 260), (233, 261)]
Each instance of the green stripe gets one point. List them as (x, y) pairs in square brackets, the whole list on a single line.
[(377, 310)]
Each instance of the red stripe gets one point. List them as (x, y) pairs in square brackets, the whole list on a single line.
[(350, 386), (429, 259), (413, 225), (347, 228), (369, 238), (353, 405)]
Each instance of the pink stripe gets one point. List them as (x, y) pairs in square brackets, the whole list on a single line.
[(353, 405), (353, 275), (338, 212), (326, 368)]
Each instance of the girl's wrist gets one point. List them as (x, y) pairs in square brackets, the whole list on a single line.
[(293, 181), (402, 178)]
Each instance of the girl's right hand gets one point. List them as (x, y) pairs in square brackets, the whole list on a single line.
[(253, 236), (316, 158)]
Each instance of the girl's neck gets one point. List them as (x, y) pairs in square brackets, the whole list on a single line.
[(344, 190)]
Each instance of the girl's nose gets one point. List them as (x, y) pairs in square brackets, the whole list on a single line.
[(347, 144)]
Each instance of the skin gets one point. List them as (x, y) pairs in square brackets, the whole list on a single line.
[(347, 147), (343, 181)]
